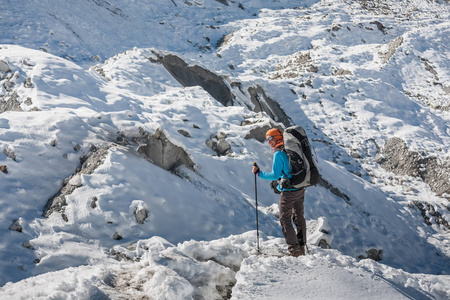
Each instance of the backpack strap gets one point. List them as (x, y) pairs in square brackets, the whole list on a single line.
[(282, 171)]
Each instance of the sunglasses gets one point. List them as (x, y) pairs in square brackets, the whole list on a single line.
[(271, 138)]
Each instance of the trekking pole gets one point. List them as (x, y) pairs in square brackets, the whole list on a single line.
[(256, 199)]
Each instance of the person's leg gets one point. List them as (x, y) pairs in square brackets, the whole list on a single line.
[(287, 200), (299, 216)]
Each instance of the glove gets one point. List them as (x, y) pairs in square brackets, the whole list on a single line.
[(255, 169), (274, 185)]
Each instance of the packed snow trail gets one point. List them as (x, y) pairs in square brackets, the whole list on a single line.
[(307, 278)]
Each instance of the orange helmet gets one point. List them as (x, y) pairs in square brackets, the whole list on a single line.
[(275, 133)]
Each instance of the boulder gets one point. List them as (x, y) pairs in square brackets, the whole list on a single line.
[(374, 254), (117, 236), (141, 212), (28, 245), (163, 153), (258, 133), (10, 153), (94, 202), (342, 72), (223, 147), (219, 144), (16, 225), (323, 244), (4, 67)]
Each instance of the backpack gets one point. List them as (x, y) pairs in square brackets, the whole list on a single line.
[(302, 164)]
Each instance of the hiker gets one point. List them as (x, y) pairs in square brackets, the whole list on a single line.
[(291, 200)]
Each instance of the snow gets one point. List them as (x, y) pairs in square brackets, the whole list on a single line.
[(207, 269), (95, 80)]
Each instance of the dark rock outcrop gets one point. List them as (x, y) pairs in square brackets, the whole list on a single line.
[(397, 158), (264, 103), (141, 213), (117, 236), (16, 225), (4, 67), (258, 133), (163, 153), (323, 244), (197, 76), (10, 102), (58, 201), (224, 2), (429, 213), (94, 202), (374, 254), (388, 51), (28, 245)]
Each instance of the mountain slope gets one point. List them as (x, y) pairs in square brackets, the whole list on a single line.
[(131, 148)]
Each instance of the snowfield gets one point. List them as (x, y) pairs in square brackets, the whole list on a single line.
[(126, 170), (206, 270)]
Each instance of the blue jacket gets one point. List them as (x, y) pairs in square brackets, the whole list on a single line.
[(280, 169)]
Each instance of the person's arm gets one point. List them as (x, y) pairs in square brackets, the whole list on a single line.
[(277, 168)]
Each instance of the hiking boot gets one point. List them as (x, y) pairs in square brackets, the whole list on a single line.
[(300, 251)]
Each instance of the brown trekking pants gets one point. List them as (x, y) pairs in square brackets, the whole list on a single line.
[(291, 207)]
